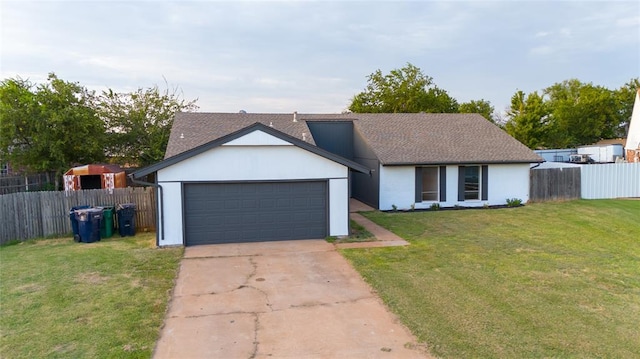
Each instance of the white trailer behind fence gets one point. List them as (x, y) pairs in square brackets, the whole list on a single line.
[(614, 180)]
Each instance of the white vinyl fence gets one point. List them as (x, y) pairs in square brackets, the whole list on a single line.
[(612, 180)]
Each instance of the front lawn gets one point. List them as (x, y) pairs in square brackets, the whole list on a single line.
[(61, 299), (544, 280)]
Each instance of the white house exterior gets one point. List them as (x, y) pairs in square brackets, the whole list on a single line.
[(505, 181), (255, 157), (259, 177)]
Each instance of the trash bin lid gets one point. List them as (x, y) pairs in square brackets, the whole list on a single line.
[(126, 205)]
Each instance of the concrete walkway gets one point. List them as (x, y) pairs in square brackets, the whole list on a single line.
[(384, 238), (290, 299)]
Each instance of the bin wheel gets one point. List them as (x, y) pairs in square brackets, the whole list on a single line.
[(76, 238)]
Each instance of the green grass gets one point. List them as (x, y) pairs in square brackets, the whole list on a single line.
[(61, 299), (545, 280), (357, 234)]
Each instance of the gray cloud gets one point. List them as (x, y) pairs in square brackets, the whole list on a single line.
[(314, 56)]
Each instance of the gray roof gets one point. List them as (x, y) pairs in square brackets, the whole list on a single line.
[(242, 132), (396, 139)]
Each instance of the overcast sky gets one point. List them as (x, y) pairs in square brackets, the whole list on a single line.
[(312, 57)]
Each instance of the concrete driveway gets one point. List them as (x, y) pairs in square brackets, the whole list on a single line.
[(290, 299)]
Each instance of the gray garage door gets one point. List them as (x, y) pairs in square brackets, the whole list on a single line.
[(254, 212)]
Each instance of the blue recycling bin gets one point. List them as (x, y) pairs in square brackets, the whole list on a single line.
[(74, 222), (126, 219), (89, 221)]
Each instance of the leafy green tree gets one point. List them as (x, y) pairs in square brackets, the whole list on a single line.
[(50, 127), (528, 119), (482, 107), (624, 98), (138, 123), (406, 90), (581, 114)]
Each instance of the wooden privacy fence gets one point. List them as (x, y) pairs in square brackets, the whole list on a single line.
[(34, 182), (29, 215), (554, 184)]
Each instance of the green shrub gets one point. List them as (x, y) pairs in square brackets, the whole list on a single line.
[(514, 202), (434, 206)]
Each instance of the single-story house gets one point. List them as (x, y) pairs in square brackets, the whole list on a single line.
[(254, 177)]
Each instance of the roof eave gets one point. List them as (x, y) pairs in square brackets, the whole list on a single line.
[(432, 163)]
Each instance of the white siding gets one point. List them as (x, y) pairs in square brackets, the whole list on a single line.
[(397, 186), (610, 180), (240, 163), (339, 204), (508, 181), (172, 205), (252, 163), (258, 138)]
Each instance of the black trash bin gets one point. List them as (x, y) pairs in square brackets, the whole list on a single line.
[(89, 221), (74, 222), (126, 219)]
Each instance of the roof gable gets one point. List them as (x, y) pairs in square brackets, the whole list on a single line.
[(236, 137)]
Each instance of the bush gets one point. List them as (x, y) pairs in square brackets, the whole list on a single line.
[(435, 206), (514, 202)]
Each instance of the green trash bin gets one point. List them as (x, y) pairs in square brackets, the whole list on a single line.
[(107, 228)]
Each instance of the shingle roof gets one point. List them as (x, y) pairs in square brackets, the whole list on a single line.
[(396, 139)]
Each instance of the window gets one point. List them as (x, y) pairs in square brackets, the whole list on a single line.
[(430, 183), (471, 183), (4, 169)]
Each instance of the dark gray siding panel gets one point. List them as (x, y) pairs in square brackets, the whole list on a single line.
[(485, 183), (443, 183), (254, 212), (365, 188), (460, 183), (333, 136)]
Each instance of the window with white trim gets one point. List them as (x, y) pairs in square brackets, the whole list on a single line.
[(472, 183)]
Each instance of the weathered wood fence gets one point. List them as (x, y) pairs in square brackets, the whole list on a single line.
[(29, 215), (552, 184), (33, 182), (594, 181)]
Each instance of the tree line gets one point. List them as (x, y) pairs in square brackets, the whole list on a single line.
[(56, 125), (566, 114)]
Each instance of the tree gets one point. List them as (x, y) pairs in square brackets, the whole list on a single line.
[(405, 90), (624, 98), (138, 123), (528, 119), (49, 129), (482, 107), (581, 114)]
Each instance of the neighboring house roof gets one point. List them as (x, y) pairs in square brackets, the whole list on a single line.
[(611, 141), (242, 132), (396, 139)]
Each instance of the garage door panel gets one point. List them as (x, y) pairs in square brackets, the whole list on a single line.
[(251, 212)]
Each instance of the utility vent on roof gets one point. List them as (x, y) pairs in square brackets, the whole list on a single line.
[(295, 115), (182, 135)]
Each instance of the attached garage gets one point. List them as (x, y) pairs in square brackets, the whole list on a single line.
[(256, 184), (254, 212)]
